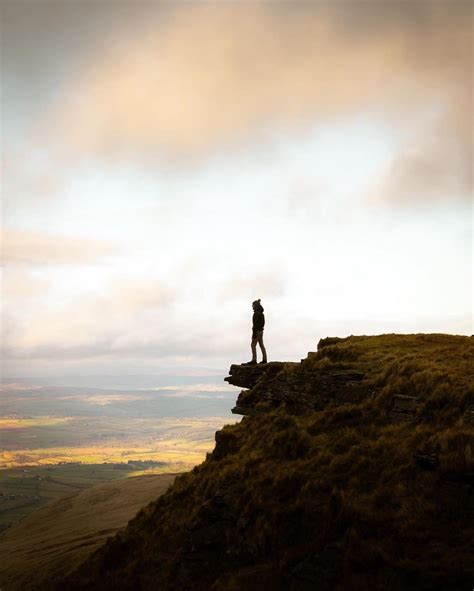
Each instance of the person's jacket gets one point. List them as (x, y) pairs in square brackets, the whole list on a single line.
[(258, 320)]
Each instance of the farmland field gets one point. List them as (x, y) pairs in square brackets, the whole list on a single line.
[(55, 440)]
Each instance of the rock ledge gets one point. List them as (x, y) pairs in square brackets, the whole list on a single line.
[(247, 376)]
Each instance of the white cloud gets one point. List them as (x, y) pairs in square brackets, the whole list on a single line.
[(32, 247)]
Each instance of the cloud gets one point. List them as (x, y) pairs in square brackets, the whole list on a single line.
[(248, 285), (31, 247), (129, 318), (30, 179), (38, 343), (208, 76), (128, 312), (20, 286), (434, 164), (214, 73)]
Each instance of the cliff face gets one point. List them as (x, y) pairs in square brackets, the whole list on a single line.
[(298, 387), (329, 377), (350, 470)]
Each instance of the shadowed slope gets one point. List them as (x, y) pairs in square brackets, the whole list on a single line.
[(55, 539)]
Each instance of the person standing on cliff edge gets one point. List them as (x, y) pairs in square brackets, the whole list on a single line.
[(258, 322)]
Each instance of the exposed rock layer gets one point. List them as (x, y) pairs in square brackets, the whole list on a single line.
[(247, 376), (294, 385)]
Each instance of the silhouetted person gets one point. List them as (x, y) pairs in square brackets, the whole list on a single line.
[(258, 322)]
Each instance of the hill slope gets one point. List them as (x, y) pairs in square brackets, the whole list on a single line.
[(58, 537), (352, 470)]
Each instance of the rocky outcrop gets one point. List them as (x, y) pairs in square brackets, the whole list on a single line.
[(295, 386), (247, 376)]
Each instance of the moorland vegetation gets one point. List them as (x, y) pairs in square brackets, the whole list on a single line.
[(337, 490)]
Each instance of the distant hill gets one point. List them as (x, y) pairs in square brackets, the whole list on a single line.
[(55, 539), (352, 470)]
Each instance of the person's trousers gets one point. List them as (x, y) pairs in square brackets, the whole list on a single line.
[(257, 337)]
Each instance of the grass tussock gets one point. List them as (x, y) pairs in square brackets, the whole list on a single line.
[(336, 499)]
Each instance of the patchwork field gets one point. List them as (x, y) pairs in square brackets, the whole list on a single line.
[(56, 440), (49, 440)]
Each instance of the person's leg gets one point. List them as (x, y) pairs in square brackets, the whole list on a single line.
[(253, 346), (262, 346)]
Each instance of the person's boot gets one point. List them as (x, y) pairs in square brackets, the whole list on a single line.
[(252, 362), (263, 361)]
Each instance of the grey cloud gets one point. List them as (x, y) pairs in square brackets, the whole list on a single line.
[(434, 165), (267, 66), (197, 78), (178, 82), (175, 83)]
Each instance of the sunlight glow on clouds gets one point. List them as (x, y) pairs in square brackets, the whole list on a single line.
[(219, 74)]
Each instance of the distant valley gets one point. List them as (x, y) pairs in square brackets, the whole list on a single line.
[(57, 439)]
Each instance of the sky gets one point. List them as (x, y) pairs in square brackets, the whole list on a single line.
[(164, 164)]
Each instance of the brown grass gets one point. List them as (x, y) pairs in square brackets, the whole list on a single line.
[(337, 499)]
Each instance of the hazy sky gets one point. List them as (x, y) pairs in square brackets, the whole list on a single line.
[(164, 164)]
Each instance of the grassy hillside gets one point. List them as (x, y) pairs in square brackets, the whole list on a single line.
[(56, 538), (25, 489), (331, 483)]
